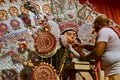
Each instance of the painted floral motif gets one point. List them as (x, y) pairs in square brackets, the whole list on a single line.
[(3, 15), (27, 21), (2, 2), (23, 10), (13, 11), (37, 7), (15, 24), (3, 27), (90, 19)]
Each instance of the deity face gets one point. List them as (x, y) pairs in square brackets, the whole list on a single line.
[(46, 9), (71, 36)]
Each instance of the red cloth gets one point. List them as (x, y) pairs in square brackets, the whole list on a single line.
[(97, 68)]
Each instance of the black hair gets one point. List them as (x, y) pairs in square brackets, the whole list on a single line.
[(68, 30)]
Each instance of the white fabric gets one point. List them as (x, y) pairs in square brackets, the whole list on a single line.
[(54, 28), (75, 53), (111, 57)]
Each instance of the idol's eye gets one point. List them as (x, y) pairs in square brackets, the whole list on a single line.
[(71, 33), (68, 33), (74, 34)]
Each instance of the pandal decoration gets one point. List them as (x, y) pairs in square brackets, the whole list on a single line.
[(45, 44), (90, 19), (2, 2), (44, 71), (3, 15), (15, 24), (3, 27), (46, 9), (13, 11), (23, 10)]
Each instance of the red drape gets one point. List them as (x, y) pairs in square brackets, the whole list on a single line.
[(110, 8)]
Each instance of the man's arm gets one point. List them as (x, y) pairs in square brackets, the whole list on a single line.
[(88, 47), (85, 46), (98, 50)]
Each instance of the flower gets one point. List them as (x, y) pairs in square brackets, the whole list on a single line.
[(26, 20), (11, 52), (15, 24), (3, 27)]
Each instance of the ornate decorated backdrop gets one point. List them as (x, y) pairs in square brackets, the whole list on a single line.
[(32, 28)]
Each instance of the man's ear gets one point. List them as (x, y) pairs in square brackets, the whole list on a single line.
[(97, 27), (100, 26)]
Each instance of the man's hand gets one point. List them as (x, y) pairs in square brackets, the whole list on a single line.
[(77, 45)]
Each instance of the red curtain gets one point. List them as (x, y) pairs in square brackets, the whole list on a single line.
[(110, 8)]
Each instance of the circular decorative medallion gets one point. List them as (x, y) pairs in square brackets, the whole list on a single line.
[(23, 10), (13, 11), (45, 44), (44, 71), (3, 27), (90, 19), (3, 15), (15, 24)]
